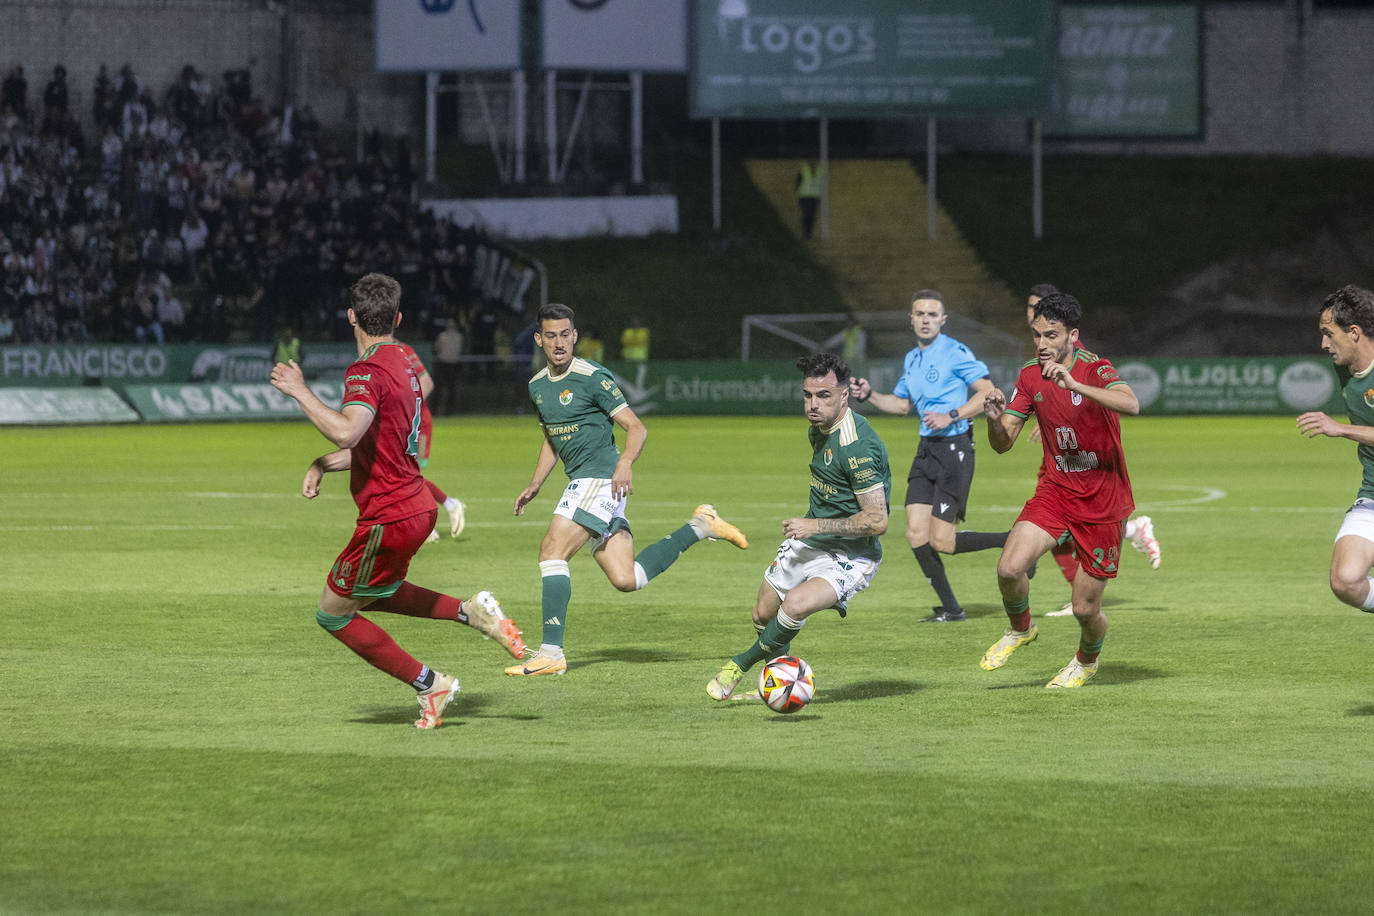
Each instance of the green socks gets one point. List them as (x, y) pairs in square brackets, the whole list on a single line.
[(557, 592), (772, 642)]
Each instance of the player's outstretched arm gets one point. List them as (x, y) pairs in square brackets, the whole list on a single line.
[(860, 390), (1315, 423), (543, 466), (871, 519), (344, 429)]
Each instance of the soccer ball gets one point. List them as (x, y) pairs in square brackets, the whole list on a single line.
[(786, 684)]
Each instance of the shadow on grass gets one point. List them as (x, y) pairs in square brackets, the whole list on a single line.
[(1366, 710), (464, 706), (868, 690), (629, 654), (1109, 675)]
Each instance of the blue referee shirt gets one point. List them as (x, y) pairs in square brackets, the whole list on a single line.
[(937, 379)]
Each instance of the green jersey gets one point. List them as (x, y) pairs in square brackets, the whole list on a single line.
[(848, 460), (1358, 391), (575, 410)]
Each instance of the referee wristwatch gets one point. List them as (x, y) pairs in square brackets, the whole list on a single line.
[(954, 414)]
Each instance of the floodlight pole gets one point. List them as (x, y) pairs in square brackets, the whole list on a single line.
[(1037, 181), (930, 178), (431, 122), (551, 123), (637, 127), (715, 174), (825, 182)]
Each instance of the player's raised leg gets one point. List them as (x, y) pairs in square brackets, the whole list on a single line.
[(1026, 543), (1140, 531), (482, 612), (1351, 560), (629, 571)]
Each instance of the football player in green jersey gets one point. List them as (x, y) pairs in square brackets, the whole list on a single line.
[(831, 553), (1347, 329), (578, 403)]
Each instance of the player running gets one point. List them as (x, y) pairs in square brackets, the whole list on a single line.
[(1140, 531), (375, 430), (578, 403), (1083, 490), (832, 553)]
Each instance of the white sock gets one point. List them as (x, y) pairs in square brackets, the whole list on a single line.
[(1368, 604), (696, 529), (789, 622), (550, 651), (641, 577), (450, 504), (1130, 528)]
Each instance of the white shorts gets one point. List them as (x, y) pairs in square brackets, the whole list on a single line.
[(797, 563), (588, 501), (1359, 520)]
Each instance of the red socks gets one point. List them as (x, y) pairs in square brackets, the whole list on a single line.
[(439, 495), (378, 649)]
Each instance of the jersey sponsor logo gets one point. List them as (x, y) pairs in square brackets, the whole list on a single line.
[(538, 400), (1076, 399), (565, 397), (854, 462), (358, 378), (865, 475), (564, 430)]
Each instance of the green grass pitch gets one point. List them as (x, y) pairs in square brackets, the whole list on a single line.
[(180, 737)]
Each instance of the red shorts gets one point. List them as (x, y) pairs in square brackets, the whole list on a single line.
[(1098, 545), (375, 562)]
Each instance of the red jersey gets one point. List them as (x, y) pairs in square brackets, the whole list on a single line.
[(1084, 466), (426, 418), (385, 477)]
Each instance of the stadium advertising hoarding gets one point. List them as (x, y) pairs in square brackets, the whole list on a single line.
[(415, 36), (1128, 70), (615, 35), (119, 364), (66, 406), (869, 58), (1262, 385), (182, 403)]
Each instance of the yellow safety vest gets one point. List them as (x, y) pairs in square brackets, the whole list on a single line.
[(634, 344), (812, 180)]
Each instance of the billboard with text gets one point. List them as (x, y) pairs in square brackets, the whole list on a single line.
[(1128, 70), (870, 58)]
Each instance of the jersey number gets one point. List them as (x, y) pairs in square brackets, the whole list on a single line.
[(1106, 560), (413, 442)]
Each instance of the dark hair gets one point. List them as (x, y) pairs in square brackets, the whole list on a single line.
[(555, 311), (1060, 307), (928, 294), (1351, 306), (815, 365), (375, 299), (1041, 290)]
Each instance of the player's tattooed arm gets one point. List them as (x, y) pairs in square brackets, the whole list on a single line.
[(871, 519)]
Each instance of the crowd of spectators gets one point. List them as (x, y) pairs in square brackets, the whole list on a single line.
[(204, 193)]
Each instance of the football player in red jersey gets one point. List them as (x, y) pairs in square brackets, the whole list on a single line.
[(376, 431), (1083, 490)]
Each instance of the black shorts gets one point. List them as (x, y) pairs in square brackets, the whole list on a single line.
[(941, 475)]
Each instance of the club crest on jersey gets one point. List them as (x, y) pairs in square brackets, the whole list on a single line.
[(1369, 397), (1076, 398), (565, 397), (932, 374), (829, 456)]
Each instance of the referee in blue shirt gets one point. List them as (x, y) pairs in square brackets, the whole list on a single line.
[(944, 384)]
